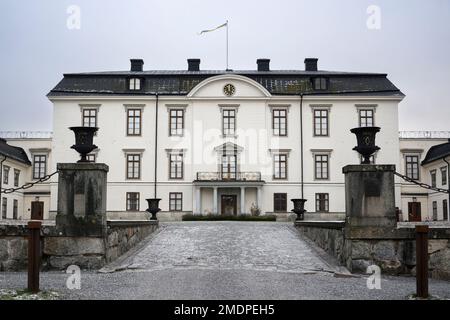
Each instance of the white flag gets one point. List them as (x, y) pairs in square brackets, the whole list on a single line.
[(204, 31)]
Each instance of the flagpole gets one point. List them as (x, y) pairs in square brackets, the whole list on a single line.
[(227, 45)]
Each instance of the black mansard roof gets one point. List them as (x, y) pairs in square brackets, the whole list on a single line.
[(277, 82), (12, 152), (437, 152)]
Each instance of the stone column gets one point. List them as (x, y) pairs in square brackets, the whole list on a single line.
[(258, 197), (82, 199), (369, 199), (215, 201), (198, 200), (242, 200)]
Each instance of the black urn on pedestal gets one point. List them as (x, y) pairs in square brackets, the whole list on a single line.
[(299, 208), (84, 141), (153, 207), (365, 137)]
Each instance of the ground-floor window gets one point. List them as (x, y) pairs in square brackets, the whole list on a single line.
[(435, 216), (4, 207), (15, 208), (280, 202), (175, 201), (445, 209), (132, 201), (322, 202)]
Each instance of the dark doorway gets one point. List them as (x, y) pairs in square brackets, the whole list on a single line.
[(229, 205), (37, 210), (414, 211)]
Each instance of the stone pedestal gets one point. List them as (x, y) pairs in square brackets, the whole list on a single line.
[(370, 197), (82, 199)]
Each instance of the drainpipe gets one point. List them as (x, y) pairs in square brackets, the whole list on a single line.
[(301, 145), (448, 184), (156, 142), (1, 181)]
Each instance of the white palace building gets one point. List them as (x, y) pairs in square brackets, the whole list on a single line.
[(227, 142)]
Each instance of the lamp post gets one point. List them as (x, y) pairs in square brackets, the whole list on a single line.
[(365, 137), (84, 137), (299, 208), (153, 207)]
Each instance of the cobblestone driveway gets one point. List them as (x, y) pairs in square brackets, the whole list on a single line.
[(228, 245)]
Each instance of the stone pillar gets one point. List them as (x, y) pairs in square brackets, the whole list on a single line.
[(82, 199), (242, 200), (258, 197), (198, 200), (215, 200), (369, 198)]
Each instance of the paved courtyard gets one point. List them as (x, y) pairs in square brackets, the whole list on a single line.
[(224, 260)]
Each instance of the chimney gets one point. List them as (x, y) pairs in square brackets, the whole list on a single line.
[(137, 64), (263, 64), (311, 64), (193, 64)]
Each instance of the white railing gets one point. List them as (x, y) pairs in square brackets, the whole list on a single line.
[(26, 134), (424, 134)]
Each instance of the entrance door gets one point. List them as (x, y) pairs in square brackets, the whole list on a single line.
[(229, 205), (37, 210), (414, 211)]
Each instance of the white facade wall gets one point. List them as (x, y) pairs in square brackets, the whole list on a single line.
[(203, 133)]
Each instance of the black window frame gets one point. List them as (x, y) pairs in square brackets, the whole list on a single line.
[(435, 210), (131, 161), (433, 178), (90, 155), (88, 119), (278, 114), (16, 177), (409, 166), (445, 209), (42, 168), (133, 201), (176, 166), (324, 174), (4, 208), (176, 201), (322, 202), (364, 118), (318, 125), (280, 202), (176, 122), (132, 128), (6, 170), (129, 82), (229, 122), (278, 160), (15, 209), (444, 176), (320, 83)]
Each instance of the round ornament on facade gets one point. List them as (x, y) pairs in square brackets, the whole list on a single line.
[(229, 89)]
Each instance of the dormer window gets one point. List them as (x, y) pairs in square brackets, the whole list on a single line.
[(135, 84), (320, 83)]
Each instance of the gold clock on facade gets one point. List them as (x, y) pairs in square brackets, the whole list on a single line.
[(229, 89)]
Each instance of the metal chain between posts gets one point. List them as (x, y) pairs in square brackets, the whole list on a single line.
[(420, 184), (29, 184)]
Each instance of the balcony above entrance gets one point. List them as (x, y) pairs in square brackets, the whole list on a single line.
[(229, 176)]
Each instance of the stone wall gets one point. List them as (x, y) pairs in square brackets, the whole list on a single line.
[(394, 253), (60, 251)]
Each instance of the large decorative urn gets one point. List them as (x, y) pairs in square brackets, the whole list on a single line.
[(84, 141), (299, 208), (153, 207), (365, 137)]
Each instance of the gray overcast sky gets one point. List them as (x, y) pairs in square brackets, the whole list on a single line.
[(412, 46)]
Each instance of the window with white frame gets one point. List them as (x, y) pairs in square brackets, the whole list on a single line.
[(135, 84), (412, 166), (39, 166)]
